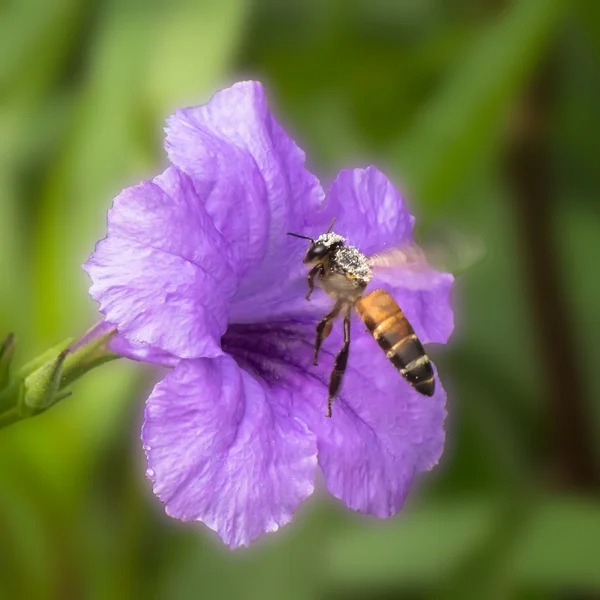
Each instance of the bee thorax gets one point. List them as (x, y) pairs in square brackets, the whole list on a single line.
[(352, 262), (329, 239)]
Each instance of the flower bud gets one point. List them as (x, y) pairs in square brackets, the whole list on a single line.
[(41, 387), (40, 383)]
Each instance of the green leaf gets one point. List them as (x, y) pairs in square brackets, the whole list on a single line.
[(11, 293), (459, 125), (589, 14), (419, 546), (560, 546), (34, 39), (485, 572), (289, 564), (29, 560), (541, 544), (192, 49)]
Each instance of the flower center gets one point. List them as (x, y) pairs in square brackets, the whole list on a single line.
[(275, 351)]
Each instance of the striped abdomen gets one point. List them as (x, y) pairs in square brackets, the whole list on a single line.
[(394, 334)]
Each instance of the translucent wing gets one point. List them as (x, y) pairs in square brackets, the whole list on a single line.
[(404, 257), (412, 268), (405, 266), (453, 255)]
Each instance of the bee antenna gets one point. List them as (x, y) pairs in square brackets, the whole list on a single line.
[(331, 226), (303, 237)]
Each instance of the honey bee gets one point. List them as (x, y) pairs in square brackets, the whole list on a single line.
[(343, 272)]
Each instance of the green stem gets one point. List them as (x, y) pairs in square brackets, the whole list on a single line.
[(42, 359)]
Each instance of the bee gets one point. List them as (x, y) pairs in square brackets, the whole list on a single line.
[(343, 272)]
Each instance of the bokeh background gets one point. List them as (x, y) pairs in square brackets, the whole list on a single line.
[(487, 113)]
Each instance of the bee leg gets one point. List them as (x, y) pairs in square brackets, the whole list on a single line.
[(341, 361), (316, 270), (324, 328)]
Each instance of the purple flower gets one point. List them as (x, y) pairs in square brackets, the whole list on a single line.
[(197, 273)]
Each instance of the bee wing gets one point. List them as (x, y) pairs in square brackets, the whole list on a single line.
[(411, 267), (406, 266), (409, 257), (456, 252), (454, 255)]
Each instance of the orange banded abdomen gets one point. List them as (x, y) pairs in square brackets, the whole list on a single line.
[(396, 337)]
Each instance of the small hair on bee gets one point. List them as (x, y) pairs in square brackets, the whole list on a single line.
[(303, 237), (332, 224)]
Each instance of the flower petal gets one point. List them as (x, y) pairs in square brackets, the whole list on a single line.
[(255, 186), (369, 210), (224, 450), (163, 274), (382, 432), (372, 216), (142, 352)]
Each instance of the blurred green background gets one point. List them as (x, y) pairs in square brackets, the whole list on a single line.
[(487, 112)]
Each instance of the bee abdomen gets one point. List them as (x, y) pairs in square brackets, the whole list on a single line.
[(396, 337)]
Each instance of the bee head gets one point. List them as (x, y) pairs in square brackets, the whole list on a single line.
[(320, 248)]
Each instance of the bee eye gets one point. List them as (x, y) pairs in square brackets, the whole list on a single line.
[(315, 252)]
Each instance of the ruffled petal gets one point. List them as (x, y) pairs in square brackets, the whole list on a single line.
[(369, 210), (225, 450), (256, 189), (382, 432), (164, 274), (372, 216)]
